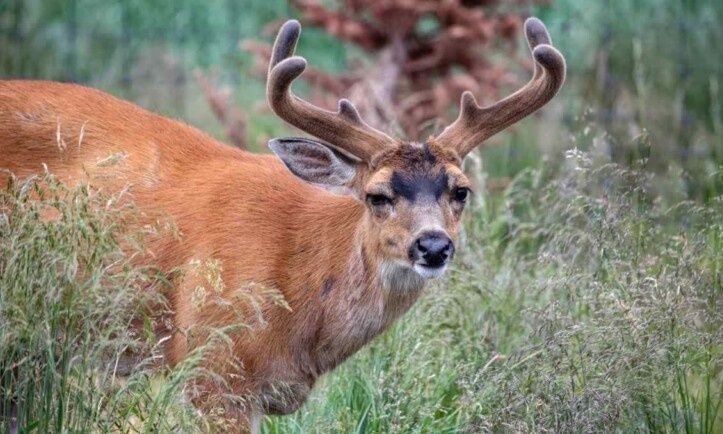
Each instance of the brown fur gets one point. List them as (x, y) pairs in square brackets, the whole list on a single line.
[(343, 264), (325, 253)]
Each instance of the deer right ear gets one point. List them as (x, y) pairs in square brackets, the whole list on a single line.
[(315, 162)]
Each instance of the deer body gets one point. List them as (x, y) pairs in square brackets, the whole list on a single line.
[(347, 231), (248, 211)]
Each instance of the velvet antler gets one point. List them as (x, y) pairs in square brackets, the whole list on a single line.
[(343, 129), (475, 124)]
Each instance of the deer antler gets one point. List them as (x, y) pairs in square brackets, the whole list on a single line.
[(475, 124), (344, 129)]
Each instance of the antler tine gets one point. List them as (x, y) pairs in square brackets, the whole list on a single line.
[(344, 129), (475, 124)]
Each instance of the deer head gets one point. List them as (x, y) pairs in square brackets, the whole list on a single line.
[(414, 193)]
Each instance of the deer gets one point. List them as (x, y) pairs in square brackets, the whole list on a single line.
[(348, 226)]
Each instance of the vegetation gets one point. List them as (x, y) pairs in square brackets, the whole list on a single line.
[(70, 293), (639, 66), (587, 295), (647, 67), (581, 303)]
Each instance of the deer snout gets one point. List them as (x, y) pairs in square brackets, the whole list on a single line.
[(432, 249)]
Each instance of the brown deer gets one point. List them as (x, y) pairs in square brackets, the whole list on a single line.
[(348, 230)]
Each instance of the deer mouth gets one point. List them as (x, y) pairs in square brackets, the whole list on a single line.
[(429, 272)]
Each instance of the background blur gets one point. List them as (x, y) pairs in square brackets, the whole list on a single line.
[(587, 295), (642, 69)]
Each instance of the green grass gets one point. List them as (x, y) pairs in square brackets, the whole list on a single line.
[(582, 301), (69, 294), (587, 295)]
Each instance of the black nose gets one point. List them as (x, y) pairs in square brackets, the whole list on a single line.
[(435, 248)]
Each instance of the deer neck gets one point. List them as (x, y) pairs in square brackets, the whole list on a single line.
[(343, 290)]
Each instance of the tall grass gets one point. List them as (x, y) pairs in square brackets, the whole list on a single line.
[(74, 314), (83, 320), (587, 296), (648, 66), (582, 302)]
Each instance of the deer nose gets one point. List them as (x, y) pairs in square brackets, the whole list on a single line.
[(433, 248)]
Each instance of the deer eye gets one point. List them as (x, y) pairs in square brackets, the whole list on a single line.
[(378, 200), (460, 194)]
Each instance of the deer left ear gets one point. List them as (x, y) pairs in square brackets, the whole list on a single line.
[(315, 162)]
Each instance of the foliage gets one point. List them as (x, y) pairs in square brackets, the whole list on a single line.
[(587, 295), (424, 55), (640, 67), (582, 303), (649, 67), (74, 318)]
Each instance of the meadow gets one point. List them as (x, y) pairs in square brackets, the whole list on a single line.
[(586, 296)]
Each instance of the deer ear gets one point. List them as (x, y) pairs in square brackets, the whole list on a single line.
[(315, 162)]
